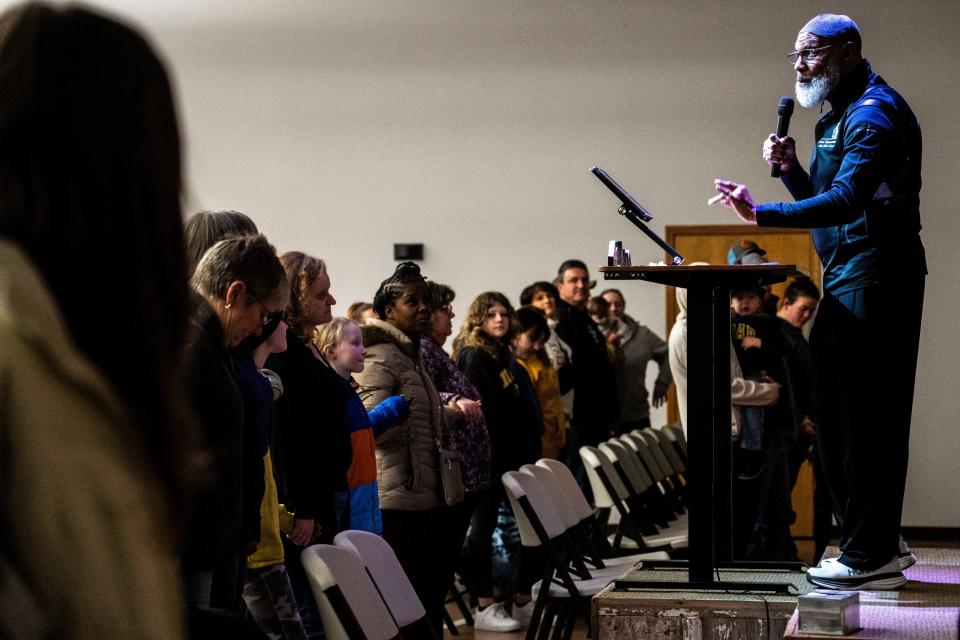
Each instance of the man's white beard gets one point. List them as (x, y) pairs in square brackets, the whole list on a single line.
[(812, 93)]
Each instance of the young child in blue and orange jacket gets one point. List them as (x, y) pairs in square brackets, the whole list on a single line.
[(340, 345)]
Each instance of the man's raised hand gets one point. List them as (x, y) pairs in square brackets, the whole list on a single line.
[(735, 196)]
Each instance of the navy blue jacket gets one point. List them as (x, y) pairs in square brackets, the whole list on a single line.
[(862, 195)]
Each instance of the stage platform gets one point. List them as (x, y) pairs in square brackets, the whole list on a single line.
[(697, 615), (927, 608)]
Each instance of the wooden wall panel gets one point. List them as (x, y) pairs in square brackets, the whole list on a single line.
[(710, 243)]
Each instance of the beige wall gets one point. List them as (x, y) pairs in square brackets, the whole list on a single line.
[(344, 127)]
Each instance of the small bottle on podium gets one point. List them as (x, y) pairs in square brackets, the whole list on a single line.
[(615, 253)]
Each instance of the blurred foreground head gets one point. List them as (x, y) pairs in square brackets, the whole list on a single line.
[(90, 183)]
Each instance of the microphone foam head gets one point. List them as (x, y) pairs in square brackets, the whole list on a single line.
[(785, 108)]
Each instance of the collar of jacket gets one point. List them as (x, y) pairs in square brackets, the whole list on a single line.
[(491, 346), (567, 309), (628, 327), (376, 331), (207, 319), (851, 86)]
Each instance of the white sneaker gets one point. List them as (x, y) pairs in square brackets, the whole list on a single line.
[(495, 618), (523, 613), (905, 557), (833, 574)]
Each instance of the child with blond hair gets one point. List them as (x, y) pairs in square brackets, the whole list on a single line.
[(340, 346)]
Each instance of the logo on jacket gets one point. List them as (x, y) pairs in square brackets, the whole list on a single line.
[(506, 378), (830, 141)]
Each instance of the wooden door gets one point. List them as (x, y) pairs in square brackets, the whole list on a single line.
[(710, 243)]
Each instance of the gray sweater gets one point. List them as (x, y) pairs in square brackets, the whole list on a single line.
[(640, 345)]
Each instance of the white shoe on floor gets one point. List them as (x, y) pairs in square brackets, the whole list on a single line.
[(833, 574), (523, 613), (495, 618), (905, 556)]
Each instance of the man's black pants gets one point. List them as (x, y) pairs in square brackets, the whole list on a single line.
[(865, 346)]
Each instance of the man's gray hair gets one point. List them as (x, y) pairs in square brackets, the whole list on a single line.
[(250, 259)]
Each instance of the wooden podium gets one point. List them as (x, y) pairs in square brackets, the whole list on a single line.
[(709, 468)]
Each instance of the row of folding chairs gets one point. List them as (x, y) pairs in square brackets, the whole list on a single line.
[(638, 484), (553, 514), (362, 591)]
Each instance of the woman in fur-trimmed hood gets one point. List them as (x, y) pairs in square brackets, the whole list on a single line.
[(407, 460), (406, 456)]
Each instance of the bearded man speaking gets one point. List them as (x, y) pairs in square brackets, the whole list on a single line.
[(861, 200)]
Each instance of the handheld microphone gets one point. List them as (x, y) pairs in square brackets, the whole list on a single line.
[(784, 111)]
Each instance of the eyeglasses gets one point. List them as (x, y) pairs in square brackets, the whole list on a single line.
[(268, 316), (809, 55)]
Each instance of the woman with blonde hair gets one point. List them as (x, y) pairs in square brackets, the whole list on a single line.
[(311, 444)]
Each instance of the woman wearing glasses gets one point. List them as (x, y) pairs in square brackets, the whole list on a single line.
[(238, 285)]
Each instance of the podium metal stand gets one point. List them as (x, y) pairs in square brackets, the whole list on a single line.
[(709, 468)]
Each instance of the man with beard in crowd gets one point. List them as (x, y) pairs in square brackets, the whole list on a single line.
[(861, 199)]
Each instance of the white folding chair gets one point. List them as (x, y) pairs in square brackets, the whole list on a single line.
[(349, 604), (591, 521), (668, 458), (390, 580), (671, 497), (665, 445), (630, 529), (675, 430), (645, 498), (653, 444), (632, 477), (581, 549), (539, 525), (642, 449)]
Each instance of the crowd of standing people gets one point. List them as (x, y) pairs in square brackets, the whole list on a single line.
[(166, 470), (162, 473)]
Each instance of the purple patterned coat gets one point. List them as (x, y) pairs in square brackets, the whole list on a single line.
[(471, 439)]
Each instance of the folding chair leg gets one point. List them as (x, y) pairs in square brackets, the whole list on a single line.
[(549, 619), (584, 609), (538, 613), (579, 602), (561, 621), (456, 597), (570, 622), (448, 621)]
